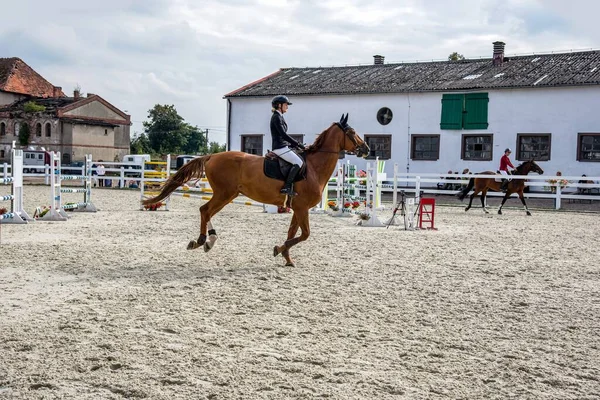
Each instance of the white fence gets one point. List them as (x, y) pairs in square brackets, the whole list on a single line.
[(122, 175)]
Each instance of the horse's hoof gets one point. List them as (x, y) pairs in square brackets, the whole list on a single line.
[(192, 245), (290, 264), (499, 212), (275, 251), (486, 211), (528, 213), (210, 243), (466, 209)]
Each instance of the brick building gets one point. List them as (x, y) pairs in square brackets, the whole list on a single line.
[(74, 125)]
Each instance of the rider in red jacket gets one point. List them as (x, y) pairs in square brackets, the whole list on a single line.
[(504, 164)]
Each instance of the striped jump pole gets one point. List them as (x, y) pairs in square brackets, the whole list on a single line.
[(151, 177), (17, 214), (86, 189), (208, 198)]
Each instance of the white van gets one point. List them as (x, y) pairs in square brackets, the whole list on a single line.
[(137, 159)]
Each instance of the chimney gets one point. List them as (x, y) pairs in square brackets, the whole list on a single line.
[(378, 60), (76, 94), (498, 57), (56, 91)]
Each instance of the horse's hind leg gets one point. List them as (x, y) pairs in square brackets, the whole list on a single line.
[(471, 200), (207, 210)]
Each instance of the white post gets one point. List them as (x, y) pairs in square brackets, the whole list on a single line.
[(558, 190), (417, 189), (122, 177)]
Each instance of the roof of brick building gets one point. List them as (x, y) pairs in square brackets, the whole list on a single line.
[(18, 77), (529, 71)]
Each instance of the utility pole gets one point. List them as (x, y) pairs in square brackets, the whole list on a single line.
[(207, 147)]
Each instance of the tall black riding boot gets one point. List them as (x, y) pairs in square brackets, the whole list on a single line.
[(288, 187), (504, 186)]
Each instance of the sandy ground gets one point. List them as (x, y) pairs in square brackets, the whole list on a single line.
[(111, 306)]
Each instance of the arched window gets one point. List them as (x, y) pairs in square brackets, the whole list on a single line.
[(48, 129), (2, 129), (17, 128), (38, 129)]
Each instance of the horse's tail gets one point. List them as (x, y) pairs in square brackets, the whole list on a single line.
[(463, 193), (193, 169)]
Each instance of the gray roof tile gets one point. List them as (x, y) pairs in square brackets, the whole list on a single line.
[(543, 70)]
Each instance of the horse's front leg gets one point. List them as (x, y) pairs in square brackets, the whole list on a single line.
[(293, 229), (301, 222), (483, 201), (524, 204)]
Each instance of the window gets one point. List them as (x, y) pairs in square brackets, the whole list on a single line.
[(464, 111), (298, 138), (588, 147), (17, 128), (2, 129), (106, 132), (48, 129), (38, 129), (384, 116), (380, 146), (425, 147), (1, 153), (252, 144), (477, 147), (533, 146)]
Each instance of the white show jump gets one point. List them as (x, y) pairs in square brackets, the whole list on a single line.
[(57, 209), (17, 214)]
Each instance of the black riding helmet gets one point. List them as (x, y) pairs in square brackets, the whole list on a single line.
[(280, 100)]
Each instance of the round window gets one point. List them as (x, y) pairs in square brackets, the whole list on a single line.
[(384, 116)]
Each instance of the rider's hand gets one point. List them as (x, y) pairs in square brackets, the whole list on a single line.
[(301, 146)]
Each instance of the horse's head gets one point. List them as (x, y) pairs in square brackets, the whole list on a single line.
[(352, 143), (531, 166)]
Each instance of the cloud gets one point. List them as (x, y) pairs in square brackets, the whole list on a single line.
[(190, 53)]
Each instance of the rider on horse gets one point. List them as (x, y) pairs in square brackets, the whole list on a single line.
[(283, 144), (504, 164)]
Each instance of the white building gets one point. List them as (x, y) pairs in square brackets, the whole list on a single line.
[(431, 117)]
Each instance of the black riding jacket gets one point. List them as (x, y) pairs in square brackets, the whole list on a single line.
[(279, 132)]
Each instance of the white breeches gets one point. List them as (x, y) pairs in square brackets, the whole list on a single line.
[(289, 155)]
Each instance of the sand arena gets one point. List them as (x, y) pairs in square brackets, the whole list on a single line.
[(111, 306)]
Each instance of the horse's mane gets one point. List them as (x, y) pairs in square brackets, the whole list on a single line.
[(318, 141)]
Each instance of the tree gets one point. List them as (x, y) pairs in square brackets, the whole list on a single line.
[(196, 143), (140, 144), (215, 147), (24, 134), (455, 57), (167, 132)]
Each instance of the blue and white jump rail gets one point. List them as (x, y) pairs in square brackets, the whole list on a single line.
[(57, 209), (17, 214)]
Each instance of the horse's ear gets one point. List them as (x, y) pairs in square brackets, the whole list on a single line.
[(344, 119)]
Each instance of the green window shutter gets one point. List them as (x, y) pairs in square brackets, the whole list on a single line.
[(452, 111), (476, 107)]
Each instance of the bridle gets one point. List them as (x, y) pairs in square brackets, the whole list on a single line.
[(349, 133)]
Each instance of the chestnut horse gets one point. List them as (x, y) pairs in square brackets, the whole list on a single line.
[(514, 186), (233, 172)]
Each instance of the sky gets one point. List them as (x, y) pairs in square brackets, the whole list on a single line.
[(190, 53)]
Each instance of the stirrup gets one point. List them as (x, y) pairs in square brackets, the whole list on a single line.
[(288, 192)]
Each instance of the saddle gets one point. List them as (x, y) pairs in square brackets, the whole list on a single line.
[(277, 168)]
